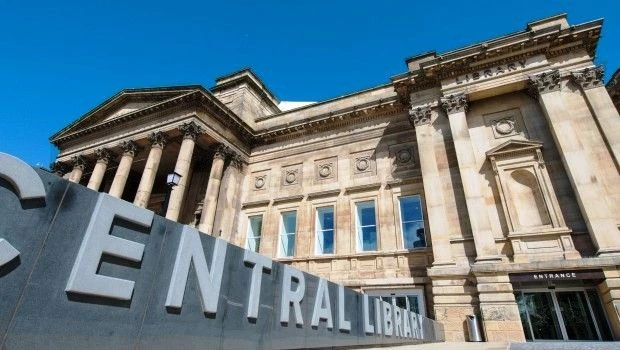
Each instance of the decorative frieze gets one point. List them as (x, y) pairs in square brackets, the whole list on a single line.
[(455, 103), (546, 81), (158, 139), (103, 155), (291, 175), (129, 148), (420, 115), (590, 77), (190, 130)]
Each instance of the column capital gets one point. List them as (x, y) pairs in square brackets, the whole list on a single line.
[(546, 81), (589, 77), (222, 152), (158, 139), (129, 148), (59, 168), (190, 130), (455, 103), (78, 162), (420, 115), (236, 160), (103, 155)]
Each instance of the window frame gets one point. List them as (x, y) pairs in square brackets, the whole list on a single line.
[(320, 232), (358, 233), (402, 222), (393, 293), (250, 230), (282, 232)]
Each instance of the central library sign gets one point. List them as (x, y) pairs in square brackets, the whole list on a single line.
[(80, 269)]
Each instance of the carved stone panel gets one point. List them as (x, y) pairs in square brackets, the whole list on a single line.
[(403, 157), (259, 181), (505, 123), (291, 175), (326, 170), (363, 163)]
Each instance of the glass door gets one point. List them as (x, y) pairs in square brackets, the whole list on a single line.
[(538, 316)]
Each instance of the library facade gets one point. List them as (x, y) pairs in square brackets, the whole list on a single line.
[(483, 180)]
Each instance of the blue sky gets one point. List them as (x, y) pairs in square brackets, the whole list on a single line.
[(60, 59)]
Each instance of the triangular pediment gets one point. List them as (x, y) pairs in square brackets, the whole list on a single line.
[(123, 103), (514, 146)]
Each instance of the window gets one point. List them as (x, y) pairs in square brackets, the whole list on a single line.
[(324, 230), (254, 232), (412, 222), (288, 225), (408, 299), (366, 226)]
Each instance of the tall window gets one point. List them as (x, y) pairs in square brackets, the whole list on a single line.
[(412, 222), (408, 299), (288, 225), (324, 230), (255, 228), (366, 226)]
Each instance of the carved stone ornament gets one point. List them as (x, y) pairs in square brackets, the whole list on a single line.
[(222, 152), (290, 177), (103, 155), (236, 161), (504, 126), (259, 182), (59, 168), (190, 130), (454, 103), (362, 164), (546, 81), (325, 170), (420, 115), (158, 139), (403, 156), (129, 148), (590, 77), (78, 162)]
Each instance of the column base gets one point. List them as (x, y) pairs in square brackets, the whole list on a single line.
[(488, 259), (443, 263)]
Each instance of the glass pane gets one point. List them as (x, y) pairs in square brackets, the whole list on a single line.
[(289, 220), (287, 245), (542, 314), (401, 302), (256, 223), (410, 208), (577, 319), (253, 244), (328, 242), (413, 233), (326, 218), (369, 238), (413, 303), (366, 213), (599, 315), (523, 314)]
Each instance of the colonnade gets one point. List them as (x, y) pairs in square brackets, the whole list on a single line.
[(158, 141)]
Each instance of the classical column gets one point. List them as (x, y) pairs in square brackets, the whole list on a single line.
[(124, 166), (230, 197), (602, 107), (421, 118), (103, 158), (190, 132), (79, 164), (60, 169), (486, 250), (213, 189), (566, 132), (158, 141)]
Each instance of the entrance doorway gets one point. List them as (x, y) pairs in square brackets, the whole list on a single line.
[(566, 314)]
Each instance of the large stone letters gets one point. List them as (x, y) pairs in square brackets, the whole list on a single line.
[(293, 297), (209, 280), (322, 306), (28, 185), (259, 264), (97, 241)]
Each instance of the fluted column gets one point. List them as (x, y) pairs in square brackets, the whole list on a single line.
[(143, 195), (79, 164), (124, 167), (190, 132), (103, 158), (213, 189), (230, 200), (566, 131), (421, 118), (486, 250), (602, 107)]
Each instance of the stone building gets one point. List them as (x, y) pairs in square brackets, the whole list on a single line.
[(482, 180), (613, 87)]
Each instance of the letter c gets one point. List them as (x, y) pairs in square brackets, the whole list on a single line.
[(27, 184)]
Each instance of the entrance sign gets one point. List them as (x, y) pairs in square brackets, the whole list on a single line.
[(93, 271), (555, 276)]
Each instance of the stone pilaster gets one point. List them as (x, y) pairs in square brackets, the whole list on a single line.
[(566, 131), (421, 119), (190, 132), (456, 107), (601, 106), (213, 188), (609, 291), (124, 167), (79, 164), (143, 195), (103, 156), (498, 308)]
